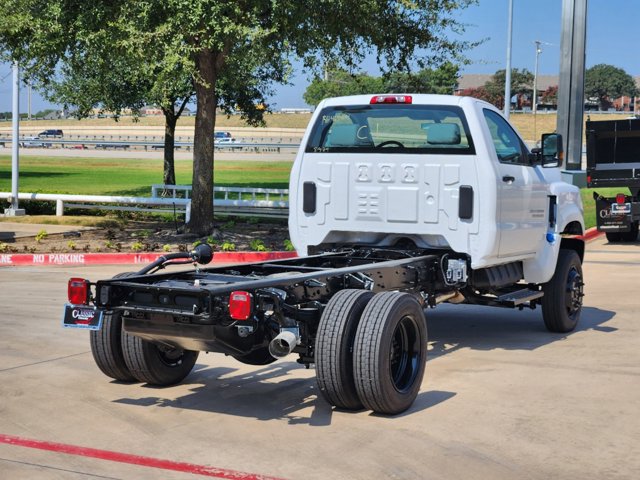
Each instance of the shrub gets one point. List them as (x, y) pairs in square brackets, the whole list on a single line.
[(228, 247), (42, 234)]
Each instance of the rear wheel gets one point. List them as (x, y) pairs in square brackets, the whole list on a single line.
[(613, 237), (632, 234), (390, 352), (562, 300), (154, 364), (334, 348), (106, 345), (106, 348)]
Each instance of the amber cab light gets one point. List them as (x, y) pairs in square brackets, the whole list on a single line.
[(240, 305), (391, 99), (620, 198), (78, 291)]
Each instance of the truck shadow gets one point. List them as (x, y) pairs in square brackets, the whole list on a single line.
[(451, 328), (286, 390), (282, 390)]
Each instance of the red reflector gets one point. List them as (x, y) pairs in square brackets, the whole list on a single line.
[(620, 198), (589, 179), (78, 292), (240, 305), (391, 99)]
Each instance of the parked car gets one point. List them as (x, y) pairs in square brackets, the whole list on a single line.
[(33, 142), (226, 143), (51, 134), (219, 135)]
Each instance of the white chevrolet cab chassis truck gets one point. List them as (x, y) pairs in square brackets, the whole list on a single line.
[(397, 203)]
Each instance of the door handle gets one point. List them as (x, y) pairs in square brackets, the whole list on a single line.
[(508, 179)]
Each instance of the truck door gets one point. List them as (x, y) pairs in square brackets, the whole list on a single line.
[(522, 196)]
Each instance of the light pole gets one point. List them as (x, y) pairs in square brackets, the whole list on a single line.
[(535, 77), (507, 77), (14, 210)]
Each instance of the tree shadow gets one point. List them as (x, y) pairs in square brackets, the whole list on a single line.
[(451, 328)]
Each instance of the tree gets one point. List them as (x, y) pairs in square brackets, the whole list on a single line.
[(442, 80), (606, 83), (236, 49), (521, 84), (113, 78), (550, 95), (483, 94), (339, 83)]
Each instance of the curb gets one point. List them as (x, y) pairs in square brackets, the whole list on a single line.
[(11, 259), (591, 234)]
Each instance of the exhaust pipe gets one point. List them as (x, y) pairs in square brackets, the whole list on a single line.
[(284, 343)]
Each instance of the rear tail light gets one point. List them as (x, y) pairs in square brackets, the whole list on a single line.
[(620, 198), (78, 291), (391, 99), (240, 305)]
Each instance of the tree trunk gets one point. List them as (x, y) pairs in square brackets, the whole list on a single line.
[(201, 221), (169, 173)]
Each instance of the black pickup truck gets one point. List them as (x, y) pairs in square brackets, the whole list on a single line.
[(613, 160)]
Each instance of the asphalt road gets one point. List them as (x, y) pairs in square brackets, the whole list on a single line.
[(502, 399), (286, 154)]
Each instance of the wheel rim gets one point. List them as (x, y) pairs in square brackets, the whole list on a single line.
[(405, 354), (171, 357), (574, 293)]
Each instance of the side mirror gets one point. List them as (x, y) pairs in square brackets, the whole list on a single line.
[(551, 150)]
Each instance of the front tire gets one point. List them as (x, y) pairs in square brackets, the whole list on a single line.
[(562, 300), (390, 352), (334, 348), (158, 365)]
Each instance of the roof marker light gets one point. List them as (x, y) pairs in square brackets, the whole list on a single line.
[(378, 99)]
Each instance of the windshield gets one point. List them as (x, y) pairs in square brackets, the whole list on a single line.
[(401, 128)]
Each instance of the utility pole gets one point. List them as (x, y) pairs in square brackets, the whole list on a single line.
[(571, 87), (15, 140)]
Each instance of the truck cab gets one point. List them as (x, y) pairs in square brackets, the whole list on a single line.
[(434, 171)]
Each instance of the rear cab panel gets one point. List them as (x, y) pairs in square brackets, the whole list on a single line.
[(385, 172)]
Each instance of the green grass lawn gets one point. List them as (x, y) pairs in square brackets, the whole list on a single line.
[(116, 176)]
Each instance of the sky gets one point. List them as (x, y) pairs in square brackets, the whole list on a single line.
[(611, 38)]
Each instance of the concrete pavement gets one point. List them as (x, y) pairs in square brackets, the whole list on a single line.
[(502, 398)]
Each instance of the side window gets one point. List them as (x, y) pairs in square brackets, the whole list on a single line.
[(507, 143)]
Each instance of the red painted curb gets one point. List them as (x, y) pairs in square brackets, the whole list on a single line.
[(10, 259), (591, 234), (132, 459)]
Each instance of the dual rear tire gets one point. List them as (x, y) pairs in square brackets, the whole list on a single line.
[(128, 358), (371, 351)]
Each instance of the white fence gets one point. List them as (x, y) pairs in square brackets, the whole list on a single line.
[(241, 206)]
